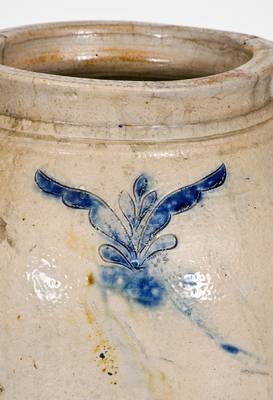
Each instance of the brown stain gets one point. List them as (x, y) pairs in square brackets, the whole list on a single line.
[(11, 242), (103, 350), (18, 317), (150, 380), (41, 59), (90, 279), (3, 227), (84, 248), (105, 355), (101, 54), (3, 233), (89, 315), (57, 62), (114, 54), (162, 376), (158, 384)]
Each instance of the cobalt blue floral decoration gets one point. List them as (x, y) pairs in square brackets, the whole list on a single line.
[(134, 242)]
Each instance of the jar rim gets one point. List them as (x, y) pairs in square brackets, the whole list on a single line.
[(233, 98)]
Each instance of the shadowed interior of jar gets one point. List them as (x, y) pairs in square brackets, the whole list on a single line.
[(123, 53)]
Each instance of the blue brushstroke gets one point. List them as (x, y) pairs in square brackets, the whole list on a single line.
[(111, 254), (162, 243), (188, 311), (147, 203), (140, 187), (115, 278), (128, 209), (101, 216), (194, 312), (145, 290), (229, 348), (179, 201), (141, 287)]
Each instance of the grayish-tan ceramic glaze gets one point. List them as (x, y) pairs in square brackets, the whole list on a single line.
[(94, 105)]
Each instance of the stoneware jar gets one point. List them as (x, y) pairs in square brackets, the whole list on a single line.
[(135, 213)]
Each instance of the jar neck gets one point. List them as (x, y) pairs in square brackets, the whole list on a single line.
[(129, 81)]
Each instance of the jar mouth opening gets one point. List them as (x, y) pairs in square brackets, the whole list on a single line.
[(128, 51)]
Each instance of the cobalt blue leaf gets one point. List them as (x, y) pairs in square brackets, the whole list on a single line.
[(140, 187), (127, 207), (75, 198), (113, 255), (213, 180), (179, 201), (162, 243), (104, 220), (101, 216), (148, 203)]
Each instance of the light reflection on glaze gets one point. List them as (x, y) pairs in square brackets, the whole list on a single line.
[(49, 284), (45, 287), (197, 285)]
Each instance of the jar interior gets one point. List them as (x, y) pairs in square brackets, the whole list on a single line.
[(123, 53)]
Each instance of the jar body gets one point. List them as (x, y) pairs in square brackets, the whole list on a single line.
[(67, 335)]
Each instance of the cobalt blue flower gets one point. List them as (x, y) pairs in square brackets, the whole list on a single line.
[(145, 290), (140, 287), (133, 243)]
